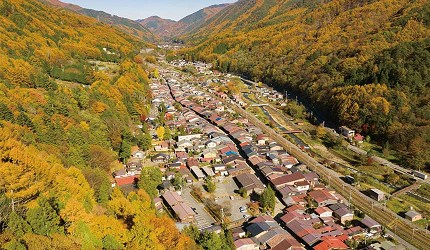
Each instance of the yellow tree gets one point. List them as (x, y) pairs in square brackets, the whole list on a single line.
[(160, 132)]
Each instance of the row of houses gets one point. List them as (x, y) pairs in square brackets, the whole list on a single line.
[(315, 214), (177, 205)]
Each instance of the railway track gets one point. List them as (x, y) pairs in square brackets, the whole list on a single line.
[(416, 236)]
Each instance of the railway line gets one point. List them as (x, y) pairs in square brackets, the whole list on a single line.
[(416, 236)]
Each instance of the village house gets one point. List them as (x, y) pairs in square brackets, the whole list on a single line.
[(239, 169), (372, 226), (162, 146), (208, 171), (331, 243), (250, 183), (342, 213), (220, 169), (175, 202), (323, 212), (323, 197), (160, 158), (138, 154), (198, 173), (245, 244), (288, 180), (347, 132)]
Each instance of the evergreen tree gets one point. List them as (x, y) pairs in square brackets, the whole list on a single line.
[(210, 185), (150, 178), (17, 225), (125, 150), (268, 199), (44, 219), (110, 243), (5, 113), (24, 120)]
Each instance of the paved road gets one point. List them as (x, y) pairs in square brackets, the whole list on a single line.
[(203, 218)]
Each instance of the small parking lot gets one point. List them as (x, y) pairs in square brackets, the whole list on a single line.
[(225, 190)]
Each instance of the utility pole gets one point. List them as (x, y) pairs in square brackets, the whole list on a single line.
[(413, 232), (349, 197), (12, 201)]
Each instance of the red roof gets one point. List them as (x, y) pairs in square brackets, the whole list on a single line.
[(263, 218), (287, 218), (295, 208), (358, 137), (243, 242), (289, 179), (331, 243), (322, 210), (127, 180), (321, 195)]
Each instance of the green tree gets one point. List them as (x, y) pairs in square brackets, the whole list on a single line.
[(144, 141), (24, 120), (125, 150), (5, 113), (17, 225), (210, 185), (44, 219), (98, 181), (192, 231), (167, 134), (243, 192), (150, 178), (178, 181), (110, 243), (268, 199)]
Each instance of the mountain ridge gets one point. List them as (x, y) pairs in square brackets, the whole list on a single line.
[(168, 29), (338, 55), (127, 25)]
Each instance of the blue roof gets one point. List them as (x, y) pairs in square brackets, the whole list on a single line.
[(230, 153)]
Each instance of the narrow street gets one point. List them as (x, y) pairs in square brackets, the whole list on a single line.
[(203, 218)]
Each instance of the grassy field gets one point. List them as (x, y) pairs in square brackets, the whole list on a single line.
[(404, 202), (390, 155), (424, 191)]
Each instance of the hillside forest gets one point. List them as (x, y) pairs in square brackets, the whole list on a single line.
[(64, 124), (364, 64)]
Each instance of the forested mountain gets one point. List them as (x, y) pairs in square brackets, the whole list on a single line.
[(363, 63), (157, 25), (64, 122), (193, 21), (129, 26), (167, 29)]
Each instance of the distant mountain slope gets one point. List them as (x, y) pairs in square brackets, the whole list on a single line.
[(362, 63), (129, 26), (167, 28), (159, 26), (194, 21)]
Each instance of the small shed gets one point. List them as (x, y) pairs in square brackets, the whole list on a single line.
[(376, 194), (413, 215)]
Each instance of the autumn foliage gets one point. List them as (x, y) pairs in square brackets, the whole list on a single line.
[(363, 64), (64, 123)]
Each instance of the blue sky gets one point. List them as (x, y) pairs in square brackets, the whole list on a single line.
[(139, 9)]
